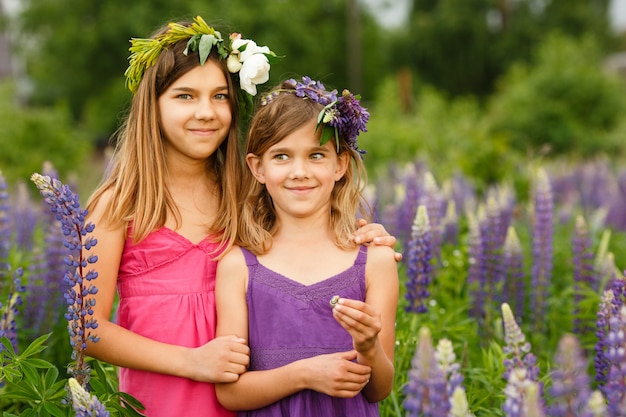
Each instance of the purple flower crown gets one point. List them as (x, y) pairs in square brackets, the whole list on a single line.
[(341, 117)]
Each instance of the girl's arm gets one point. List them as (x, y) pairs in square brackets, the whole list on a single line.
[(333, 374), (372, 323), (219, 360)]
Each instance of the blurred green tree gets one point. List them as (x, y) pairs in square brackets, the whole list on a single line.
[(563, 102), (463, 46)]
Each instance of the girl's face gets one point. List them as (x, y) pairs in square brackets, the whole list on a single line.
[(195, 113), (299, 173)]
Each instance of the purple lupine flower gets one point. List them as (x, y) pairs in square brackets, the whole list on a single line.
[(66, 206), (446, 360), (85, 404), (584, 276), (46, 283), (408, 191), (617, 207), (8, 325), (514, 272), (542, 236), (517, 354), (450, 224), (492, 238), (426, 394), (5, 230), (24, 219), (433, 200), (601, 363), (614, 389), (570, 383), (522, 395), (476, 273), (419, 263)]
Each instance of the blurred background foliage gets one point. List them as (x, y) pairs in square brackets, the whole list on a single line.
[(469, 86)]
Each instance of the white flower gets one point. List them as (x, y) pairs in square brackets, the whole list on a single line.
[(251, 63), (255, 70)]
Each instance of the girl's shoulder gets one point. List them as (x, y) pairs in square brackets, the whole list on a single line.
[(380, 254), (232, 259), (381, 267)]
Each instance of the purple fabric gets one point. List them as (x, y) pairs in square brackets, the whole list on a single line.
[(289, 321)]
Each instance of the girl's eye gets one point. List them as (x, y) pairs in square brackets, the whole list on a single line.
[(317, 156), (221, 96), (184, 96), (281, 157)]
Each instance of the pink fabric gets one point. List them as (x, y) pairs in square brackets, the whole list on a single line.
[(166, 287)]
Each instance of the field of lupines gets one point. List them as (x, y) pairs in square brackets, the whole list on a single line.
[(513, 303)]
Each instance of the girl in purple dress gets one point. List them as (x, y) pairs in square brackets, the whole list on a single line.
[(317, 310)]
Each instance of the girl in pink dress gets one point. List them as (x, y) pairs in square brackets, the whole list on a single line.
[(166, 211), (318, 311)]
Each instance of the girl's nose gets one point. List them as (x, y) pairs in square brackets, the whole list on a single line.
[(205, 110), (299, 169)]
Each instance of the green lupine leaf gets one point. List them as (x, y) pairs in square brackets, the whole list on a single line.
[(36, 346)]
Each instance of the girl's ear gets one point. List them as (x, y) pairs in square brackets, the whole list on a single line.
[(254, 163), (343, 160)]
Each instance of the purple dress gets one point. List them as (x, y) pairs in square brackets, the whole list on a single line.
[(289, 321)]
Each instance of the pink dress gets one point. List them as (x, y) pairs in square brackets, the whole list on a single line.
[(166, 286)]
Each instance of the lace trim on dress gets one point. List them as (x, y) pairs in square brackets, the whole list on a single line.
[(261, 359)]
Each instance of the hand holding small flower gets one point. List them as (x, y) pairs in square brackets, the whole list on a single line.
[(362, 322)]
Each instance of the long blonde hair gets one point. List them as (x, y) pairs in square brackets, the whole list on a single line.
[(272, 123), (137, 174)]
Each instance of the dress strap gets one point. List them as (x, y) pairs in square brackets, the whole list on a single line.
[(250, 257), (361, 257)]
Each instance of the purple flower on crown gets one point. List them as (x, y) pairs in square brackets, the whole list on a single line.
[(342, 116)]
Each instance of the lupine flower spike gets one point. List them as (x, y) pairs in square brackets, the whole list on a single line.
[(64, 203), (419, 267), (514, 272), (584, 276), (570, 382), (85, 404), (8, 311), (426, 393), (517, 354), (543, 231), (459, 405)]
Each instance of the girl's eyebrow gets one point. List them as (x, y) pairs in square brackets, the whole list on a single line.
[(186, 89)]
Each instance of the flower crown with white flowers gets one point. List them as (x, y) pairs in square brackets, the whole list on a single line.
[(341, 117), (243, 56)]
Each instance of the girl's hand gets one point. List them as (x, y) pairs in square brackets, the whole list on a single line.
[(336, 374), (222, 359), (363, 323), (375, 233)]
